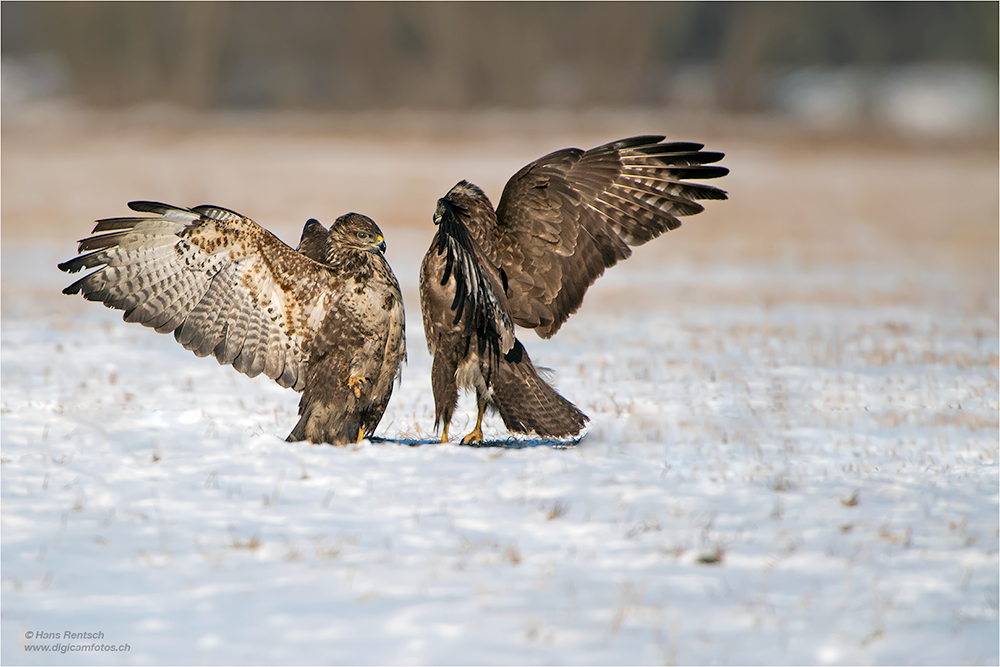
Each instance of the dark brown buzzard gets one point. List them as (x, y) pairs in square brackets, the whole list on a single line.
[(562, 220), (325, 319)]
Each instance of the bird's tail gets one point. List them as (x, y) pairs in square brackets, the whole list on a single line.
[(528, 404)]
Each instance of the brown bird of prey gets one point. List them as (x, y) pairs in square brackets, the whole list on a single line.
[(325, 319), (562, 220)]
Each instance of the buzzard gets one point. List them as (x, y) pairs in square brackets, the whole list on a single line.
[(562, 220), (325, 319)]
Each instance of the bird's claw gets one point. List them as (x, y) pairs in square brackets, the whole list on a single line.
[(355, 382), (476, 436)]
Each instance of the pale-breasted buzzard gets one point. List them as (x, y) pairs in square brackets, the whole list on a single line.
[(325, 319), (562, 220)]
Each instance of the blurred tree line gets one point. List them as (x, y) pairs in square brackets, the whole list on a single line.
[(353, 55)]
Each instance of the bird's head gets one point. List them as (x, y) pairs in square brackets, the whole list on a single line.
[(357, 231), (446, 209), (462, 200)]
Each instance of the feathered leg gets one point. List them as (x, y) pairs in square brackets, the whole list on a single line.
[(329, 409), (445, 387)]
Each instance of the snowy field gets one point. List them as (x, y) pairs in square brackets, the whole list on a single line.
[(792, 455)]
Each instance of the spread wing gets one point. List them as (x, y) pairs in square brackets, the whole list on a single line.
[(222, 284), (568, 216)]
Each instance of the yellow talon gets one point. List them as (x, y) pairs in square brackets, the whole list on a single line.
[(475, 436), (361, 430), (355, 382), (477, 433)]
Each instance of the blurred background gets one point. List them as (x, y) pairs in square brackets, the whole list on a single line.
[(917, 68)]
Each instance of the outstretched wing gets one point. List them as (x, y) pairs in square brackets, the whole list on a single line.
[(568, 216), (222, 284)]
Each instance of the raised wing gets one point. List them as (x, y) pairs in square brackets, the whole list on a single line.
[(568, 216), (222, 284)]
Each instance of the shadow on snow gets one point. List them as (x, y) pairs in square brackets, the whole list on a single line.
[(506, 443)]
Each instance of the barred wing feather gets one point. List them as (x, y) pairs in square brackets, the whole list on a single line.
[(568, 216), (222, 284)]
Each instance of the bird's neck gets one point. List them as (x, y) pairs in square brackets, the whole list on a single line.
[(358, 263)]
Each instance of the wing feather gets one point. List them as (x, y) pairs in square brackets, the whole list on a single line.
[(274, 358), (478, 290), (222, 284), (250, 360), (570, 215)]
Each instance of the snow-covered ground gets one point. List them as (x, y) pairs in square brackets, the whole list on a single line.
[(793, 452)]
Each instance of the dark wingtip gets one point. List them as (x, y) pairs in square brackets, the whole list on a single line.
[(701, 191), (670, 147), (76, 287), (143, 206), (708, 157), (641, 140)]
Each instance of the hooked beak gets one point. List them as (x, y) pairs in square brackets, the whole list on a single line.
[(444, 206), (381, 244)]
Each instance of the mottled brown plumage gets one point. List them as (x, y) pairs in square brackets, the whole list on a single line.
[(326, 319), (561, 222)]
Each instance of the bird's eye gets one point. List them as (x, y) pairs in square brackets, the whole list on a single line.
[(364, 236)]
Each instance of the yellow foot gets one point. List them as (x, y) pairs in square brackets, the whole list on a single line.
[(355, 382), (361, 431), (477, 433), (444, 435), (475, 436)]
